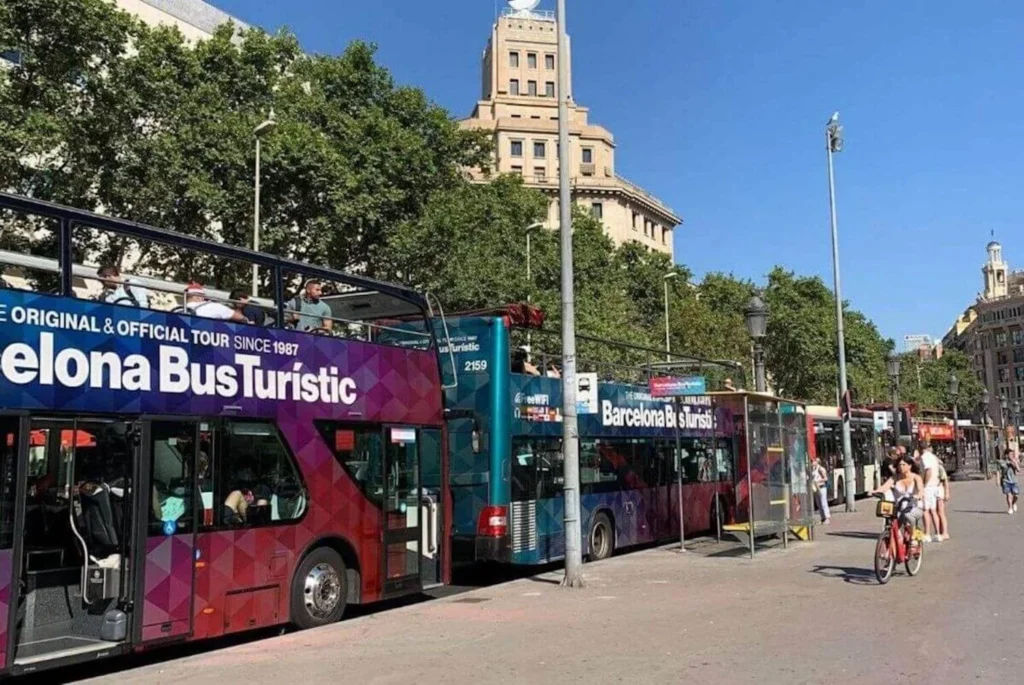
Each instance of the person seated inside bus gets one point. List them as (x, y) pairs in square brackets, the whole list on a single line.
[(250, 501), (307, 312), (553, 371), (242, 304), (118, 289), (196, 303), (728, 385), (521, 364)]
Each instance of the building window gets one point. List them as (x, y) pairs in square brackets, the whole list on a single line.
[(531, 88), (513, 60), (1018, 337), (664, 235), (588, 155), (635, 215), (531, 60), (1001, 358), (549, 89), (549, 61), (513, 87), (12, 56), (597, 210), (517, 148), (517, 116), (540, 174), (1001, 339), (1004, 375), (517, 169), (539, 149), (1018, 355), (1019, 373)]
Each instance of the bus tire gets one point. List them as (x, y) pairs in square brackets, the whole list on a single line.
[(602, 537), (319, 591)]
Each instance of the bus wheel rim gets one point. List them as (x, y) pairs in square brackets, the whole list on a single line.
[(322, 591), (598, 539)]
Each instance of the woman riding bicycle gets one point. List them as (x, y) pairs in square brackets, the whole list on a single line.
[(905, 484)]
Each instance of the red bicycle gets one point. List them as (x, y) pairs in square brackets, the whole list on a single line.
[(897, 543)]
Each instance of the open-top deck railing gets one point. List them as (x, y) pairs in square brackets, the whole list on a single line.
[(69, 219)]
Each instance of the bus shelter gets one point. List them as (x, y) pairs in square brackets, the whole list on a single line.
[(772, 475)]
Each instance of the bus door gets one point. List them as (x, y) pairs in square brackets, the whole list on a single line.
[(403, 509), (174, 461), (74, 511), (432, 508)]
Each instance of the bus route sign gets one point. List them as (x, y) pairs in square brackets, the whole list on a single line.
[(677, 386)]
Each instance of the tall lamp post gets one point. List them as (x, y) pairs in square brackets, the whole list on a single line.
[(954, 392), (893, 366), (668, 341), (529, 285), (266, 127), (570, 423), (756, 316), (1003, 405), (984, 432), (833, 144)]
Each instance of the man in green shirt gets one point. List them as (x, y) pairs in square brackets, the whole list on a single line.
[(307, 311)]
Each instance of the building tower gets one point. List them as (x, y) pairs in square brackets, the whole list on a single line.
[(519, 109), (995, 273)]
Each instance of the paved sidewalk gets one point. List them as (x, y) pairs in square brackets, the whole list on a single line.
[(810, 614)]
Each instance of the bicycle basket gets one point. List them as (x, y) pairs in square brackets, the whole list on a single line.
[(885, 509)]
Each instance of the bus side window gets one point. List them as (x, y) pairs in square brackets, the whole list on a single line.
[(256, 479), (173, 452), (359, 449)]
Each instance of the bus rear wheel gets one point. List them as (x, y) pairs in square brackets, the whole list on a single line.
[(319, 590), (602, 538)]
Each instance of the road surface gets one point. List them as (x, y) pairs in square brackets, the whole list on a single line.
[(810, 614)]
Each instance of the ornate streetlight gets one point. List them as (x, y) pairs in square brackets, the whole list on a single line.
[(756, 316)]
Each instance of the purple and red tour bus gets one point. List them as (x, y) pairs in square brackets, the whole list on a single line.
[(167, 476)]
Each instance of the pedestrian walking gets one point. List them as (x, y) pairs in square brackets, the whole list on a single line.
[(1009, 466), (930, 465), (819, 478)]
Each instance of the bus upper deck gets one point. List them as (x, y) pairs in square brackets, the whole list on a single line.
[(171, 473)]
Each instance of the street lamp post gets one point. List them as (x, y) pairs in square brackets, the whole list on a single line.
[(266, 127), (756, 316), (833, 144), (893, 364), (529, 286), (954, 391), (570, 423), (984, 432), (668, 341)]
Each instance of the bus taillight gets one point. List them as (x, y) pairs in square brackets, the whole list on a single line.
[(493, 522)]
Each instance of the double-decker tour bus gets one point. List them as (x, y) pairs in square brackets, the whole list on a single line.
[(828, 446), (507, 466), (170, 472)]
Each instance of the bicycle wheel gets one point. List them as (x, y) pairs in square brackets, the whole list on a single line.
[(914, 559), (885, 562)]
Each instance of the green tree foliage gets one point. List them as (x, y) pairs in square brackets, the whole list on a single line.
[(925, 382), (105, 112)]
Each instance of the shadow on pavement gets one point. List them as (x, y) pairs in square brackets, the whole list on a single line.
[(978, 511), (856, 534), (849, 574)]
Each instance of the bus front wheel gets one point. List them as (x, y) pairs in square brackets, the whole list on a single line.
[(318, 589), (602, 538)]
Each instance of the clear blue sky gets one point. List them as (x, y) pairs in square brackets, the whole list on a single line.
[(718, 107)]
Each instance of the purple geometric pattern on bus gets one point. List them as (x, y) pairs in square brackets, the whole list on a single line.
[(392, 385), (5, 601), (168, 585)]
